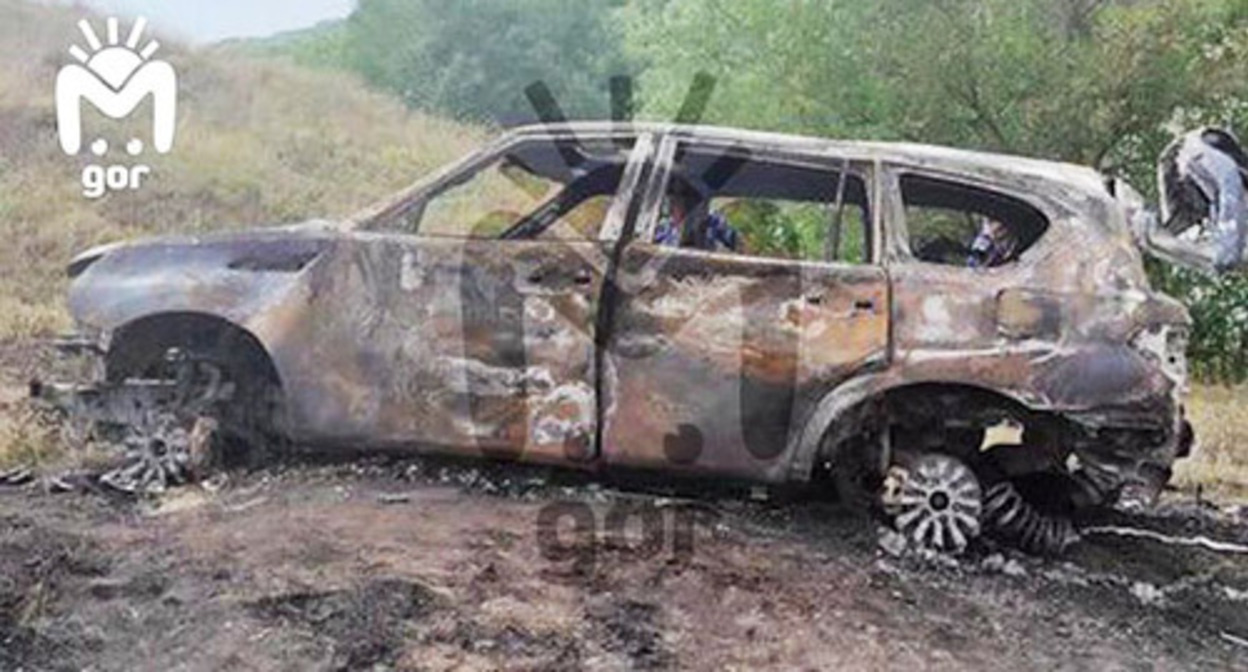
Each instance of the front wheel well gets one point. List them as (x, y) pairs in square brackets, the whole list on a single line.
[(138, 347), (256, 404)]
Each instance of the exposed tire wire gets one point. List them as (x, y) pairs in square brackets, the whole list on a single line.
[(1200, 540), (1007, 514)]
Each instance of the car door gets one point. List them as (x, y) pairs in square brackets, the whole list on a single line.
[(714, 356), (478, 333)]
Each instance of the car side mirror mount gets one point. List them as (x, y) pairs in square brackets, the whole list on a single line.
[(1163, 244)]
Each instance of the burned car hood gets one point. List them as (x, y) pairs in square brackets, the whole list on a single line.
[(233, 275), (310, 228)]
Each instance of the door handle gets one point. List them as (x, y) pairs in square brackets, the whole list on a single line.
[(864, 306), (583, 277)]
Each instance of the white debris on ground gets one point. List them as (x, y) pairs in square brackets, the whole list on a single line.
[(892, 542), (1147, 593), (998, 563)]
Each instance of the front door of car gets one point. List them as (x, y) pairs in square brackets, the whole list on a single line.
[(715, 354), (499, 298)]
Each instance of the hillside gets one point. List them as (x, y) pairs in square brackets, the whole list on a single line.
[(324, 45), (258, 142)]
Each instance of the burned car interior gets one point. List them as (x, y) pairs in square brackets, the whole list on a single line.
[(943, 218), (785, 207), (792, 208)]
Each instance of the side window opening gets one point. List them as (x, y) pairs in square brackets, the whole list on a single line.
[(960, 225), (534, 190), (764, 207)]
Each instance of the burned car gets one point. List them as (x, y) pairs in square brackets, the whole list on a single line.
[(881, 313)]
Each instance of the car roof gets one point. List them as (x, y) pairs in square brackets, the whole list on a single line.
[(989, 166)]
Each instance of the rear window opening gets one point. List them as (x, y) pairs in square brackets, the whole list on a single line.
[(959, 225)]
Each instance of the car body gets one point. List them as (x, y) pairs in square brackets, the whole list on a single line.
[(563, 334)]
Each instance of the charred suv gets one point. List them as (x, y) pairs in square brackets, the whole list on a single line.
[(966, 340)]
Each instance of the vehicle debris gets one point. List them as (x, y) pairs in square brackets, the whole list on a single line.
[(1200, 178), (1234, 639), (1147, 593), (999, 563), (533, 303), (17, 476), (1199, 540), (57, 484), (394, 498), (1012, 517), (891, 542)]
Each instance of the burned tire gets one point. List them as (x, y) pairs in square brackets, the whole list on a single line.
[(856, 476)]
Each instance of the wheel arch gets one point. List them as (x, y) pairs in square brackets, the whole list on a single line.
[(133, 344), (846, 411)]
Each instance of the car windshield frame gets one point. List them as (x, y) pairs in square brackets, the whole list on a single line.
[(381, 216)]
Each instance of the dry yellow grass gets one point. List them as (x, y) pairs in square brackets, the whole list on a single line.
[(1220, 462), (26, 437)]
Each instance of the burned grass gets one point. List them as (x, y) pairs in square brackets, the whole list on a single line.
[(367, 624), (633, 628), (38, 566), (451, 577)]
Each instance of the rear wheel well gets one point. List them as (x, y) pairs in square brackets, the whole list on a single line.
[(940, 417), (930, 408), (884, 462)]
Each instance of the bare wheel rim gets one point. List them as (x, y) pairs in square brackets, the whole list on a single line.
[(939, 503), (164, 448)]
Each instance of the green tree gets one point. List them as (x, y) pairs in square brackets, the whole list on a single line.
[(474, 58)]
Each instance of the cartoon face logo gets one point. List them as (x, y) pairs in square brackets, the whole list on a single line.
[(115, 77)]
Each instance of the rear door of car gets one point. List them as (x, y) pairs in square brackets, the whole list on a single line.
[(713, 357)]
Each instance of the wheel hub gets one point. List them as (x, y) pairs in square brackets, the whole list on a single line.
[(165, 441), (937, 502)]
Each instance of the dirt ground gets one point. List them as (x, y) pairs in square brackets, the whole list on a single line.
[(424, 564)]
